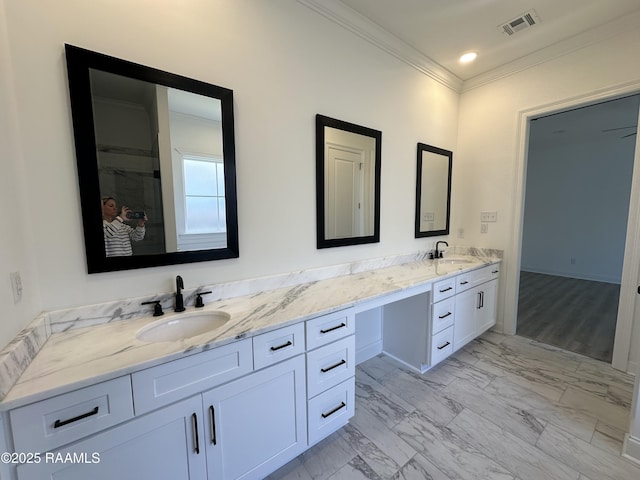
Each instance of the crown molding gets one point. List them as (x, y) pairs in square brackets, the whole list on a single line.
[(559, 49), (353, 21)]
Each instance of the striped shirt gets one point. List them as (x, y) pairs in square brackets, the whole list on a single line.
[(118, 237)]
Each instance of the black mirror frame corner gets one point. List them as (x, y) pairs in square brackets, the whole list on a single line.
[(79, 62), (323, 121), (423, 147)]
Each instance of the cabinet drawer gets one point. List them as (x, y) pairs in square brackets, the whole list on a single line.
[(63, 419), (331, 410), (330, 365), (443, 315), (441, 345), (466, 281), (173, 381), (471, 279), (273, 347), (444, 289), (329, 328)]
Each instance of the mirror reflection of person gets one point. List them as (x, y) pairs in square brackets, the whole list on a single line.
[(117, 234)]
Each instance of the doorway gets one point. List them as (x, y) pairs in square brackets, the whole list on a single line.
[(576, 206)]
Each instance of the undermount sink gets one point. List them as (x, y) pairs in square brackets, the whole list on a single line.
[(454, 261), (178, 327)]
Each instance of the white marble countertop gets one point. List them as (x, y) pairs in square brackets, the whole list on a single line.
[(83, 356)]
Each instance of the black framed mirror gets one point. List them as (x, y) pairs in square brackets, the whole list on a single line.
[(156, 164), (348, 166), (433, 191)]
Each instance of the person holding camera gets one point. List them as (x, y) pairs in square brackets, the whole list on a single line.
[(117, 234)]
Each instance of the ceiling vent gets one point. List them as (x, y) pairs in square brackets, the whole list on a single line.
[(524, 21)]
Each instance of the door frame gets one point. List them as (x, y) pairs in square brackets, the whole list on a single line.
[(631, 264)]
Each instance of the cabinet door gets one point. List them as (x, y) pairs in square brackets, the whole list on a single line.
[(257, 423), (165, 444), (465, 327), (487, 311)]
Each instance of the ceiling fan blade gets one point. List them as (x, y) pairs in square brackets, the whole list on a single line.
[(619, 128)]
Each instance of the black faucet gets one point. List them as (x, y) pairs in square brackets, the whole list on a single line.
[(179, 300), (439, 254)]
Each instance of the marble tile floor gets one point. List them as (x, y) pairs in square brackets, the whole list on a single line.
[(503, 407)]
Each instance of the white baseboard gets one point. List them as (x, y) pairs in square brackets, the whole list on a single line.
[(631, 449), (579, 276), (368, 351)]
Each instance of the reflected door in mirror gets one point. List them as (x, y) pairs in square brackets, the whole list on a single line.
[(349, 167)]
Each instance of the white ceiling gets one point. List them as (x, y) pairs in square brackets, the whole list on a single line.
[(441, 30)]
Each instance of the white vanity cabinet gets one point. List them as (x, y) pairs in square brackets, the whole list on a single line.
[(209, 415), (331, 362), (250, 424), (256, 424), (475, 304), (424, 329), (168, 443)]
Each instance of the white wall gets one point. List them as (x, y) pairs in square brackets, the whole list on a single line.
[(284, 62), (488, 169), (577, 205), (16, 233)]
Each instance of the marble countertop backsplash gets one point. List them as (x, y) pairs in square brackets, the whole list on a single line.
[(68, 349)]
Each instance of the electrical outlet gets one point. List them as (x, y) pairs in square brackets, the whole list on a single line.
[(488, 216), (484, 228), (16, 286)]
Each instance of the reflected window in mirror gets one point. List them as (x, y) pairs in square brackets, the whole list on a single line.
[(348, 165), (433, 191), (161, 145)]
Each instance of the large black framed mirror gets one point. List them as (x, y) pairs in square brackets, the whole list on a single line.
[(156, 163), (433, 191), (348, 166)]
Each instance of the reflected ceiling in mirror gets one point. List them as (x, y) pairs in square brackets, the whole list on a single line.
[(348, 159), (433, 191), (158, 145)]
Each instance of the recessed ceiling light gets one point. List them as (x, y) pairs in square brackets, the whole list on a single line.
[(468, 57)]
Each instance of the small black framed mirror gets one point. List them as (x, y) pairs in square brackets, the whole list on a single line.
[(155, 154), (348, 166), (433, 191)]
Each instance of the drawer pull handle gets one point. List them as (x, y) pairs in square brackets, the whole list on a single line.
[(496, 271), (445, 315), (444, 346), (212, 416), (331, 412), (334, 328), (196, 441), (464, 283), (273, 349), (341, 362), (446, 289), (61, 423)]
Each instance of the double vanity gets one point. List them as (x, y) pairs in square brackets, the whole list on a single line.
[(259, 379)]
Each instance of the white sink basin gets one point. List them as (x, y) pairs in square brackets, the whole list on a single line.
[(178, 327), (454, 261)]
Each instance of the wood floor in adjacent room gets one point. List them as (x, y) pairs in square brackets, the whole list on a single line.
[(501, 408), (573, 314)]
